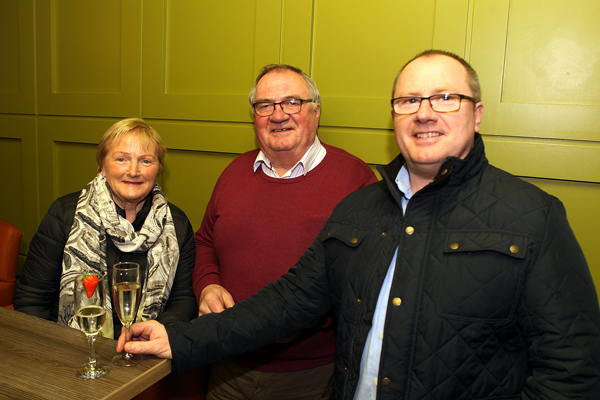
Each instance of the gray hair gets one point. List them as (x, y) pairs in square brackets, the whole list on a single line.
[(310, 84)]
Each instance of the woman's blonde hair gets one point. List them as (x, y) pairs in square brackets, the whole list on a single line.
[(136, 127)]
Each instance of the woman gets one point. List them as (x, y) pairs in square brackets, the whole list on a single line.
[(122, 215)]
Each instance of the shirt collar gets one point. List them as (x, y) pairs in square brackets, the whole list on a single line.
[(403, 182), (313, 156)]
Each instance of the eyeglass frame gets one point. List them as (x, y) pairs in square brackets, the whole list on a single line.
[(421, 98), (302, 101)]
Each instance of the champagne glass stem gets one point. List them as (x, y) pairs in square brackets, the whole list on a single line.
[(91, 341), (127, 326)]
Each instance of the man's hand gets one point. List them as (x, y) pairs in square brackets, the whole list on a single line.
[(148, 337), (214, 299)]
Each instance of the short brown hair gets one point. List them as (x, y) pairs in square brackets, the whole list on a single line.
[(472, 79), (131, 126)]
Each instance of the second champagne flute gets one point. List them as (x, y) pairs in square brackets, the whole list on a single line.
[(126, 291)]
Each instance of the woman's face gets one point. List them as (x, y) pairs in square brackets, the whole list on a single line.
[(130, 170)]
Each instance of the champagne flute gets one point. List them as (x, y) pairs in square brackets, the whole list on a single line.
[(90, 314), (126, 291)]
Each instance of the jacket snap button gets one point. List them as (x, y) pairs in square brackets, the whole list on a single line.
[(444, 171), (454, 246), (359, 300), (383, 234), (386, 381), (328, 233), (514, 249), (396, 301), (353, 240), (410, 230)]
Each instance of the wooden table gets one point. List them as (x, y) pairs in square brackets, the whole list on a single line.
[(38, 359)]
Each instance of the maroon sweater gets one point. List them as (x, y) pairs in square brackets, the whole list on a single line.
[(256, 227)]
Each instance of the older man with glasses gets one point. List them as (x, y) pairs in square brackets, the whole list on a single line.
[(266, 209), (449, 279)]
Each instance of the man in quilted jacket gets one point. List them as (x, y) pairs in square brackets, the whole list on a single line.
[(449, 279)]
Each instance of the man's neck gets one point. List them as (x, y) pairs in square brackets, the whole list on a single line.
[(421, 177)]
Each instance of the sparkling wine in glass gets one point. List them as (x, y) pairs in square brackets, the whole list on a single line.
[(90, 314), (126, 292)]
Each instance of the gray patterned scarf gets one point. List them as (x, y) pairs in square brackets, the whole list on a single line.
[(96, 220)]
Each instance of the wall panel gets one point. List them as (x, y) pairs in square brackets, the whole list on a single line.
[(17, 73), (536, 83), (182, 76), (358, 49), (18, 174), (88, 57), (188, 176)]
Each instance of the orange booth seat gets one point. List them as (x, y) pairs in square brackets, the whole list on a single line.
[(10, 241)]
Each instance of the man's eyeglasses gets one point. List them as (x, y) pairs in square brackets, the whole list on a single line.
[(290, 106), (445, 102)]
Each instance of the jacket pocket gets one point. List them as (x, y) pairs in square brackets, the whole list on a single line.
[(345, 263), (482, 275), (347, 234)]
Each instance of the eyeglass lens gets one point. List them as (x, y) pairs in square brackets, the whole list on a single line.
[(291, 106), (439, 103)]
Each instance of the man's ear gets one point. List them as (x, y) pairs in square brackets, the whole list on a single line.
[(318, 113), (478, 115)]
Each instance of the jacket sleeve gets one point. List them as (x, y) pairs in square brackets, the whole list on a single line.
[(38, 289), (182, 306), (561, 320), (281, 308)]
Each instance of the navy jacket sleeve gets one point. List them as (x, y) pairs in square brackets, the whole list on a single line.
[(279, 309)]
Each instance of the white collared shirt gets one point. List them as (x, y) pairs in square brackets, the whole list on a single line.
[(310, 160), (369, 363)]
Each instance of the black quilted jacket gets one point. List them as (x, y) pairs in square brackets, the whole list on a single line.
[(492, 297)]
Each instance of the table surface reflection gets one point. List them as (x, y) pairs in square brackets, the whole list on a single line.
[(38, 359)]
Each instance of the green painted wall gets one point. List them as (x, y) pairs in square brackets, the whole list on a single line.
[(71, 68)]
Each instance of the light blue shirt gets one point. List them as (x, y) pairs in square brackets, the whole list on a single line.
[(369, 364)]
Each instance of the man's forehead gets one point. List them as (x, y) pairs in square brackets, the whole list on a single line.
[(434, 73), (281, 83)]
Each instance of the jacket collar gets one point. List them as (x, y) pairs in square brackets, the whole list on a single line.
[(453, 172)]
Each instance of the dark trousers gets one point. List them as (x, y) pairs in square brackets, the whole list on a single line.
[(230, 380)]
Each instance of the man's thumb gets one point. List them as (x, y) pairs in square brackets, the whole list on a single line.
[(135, 347)]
